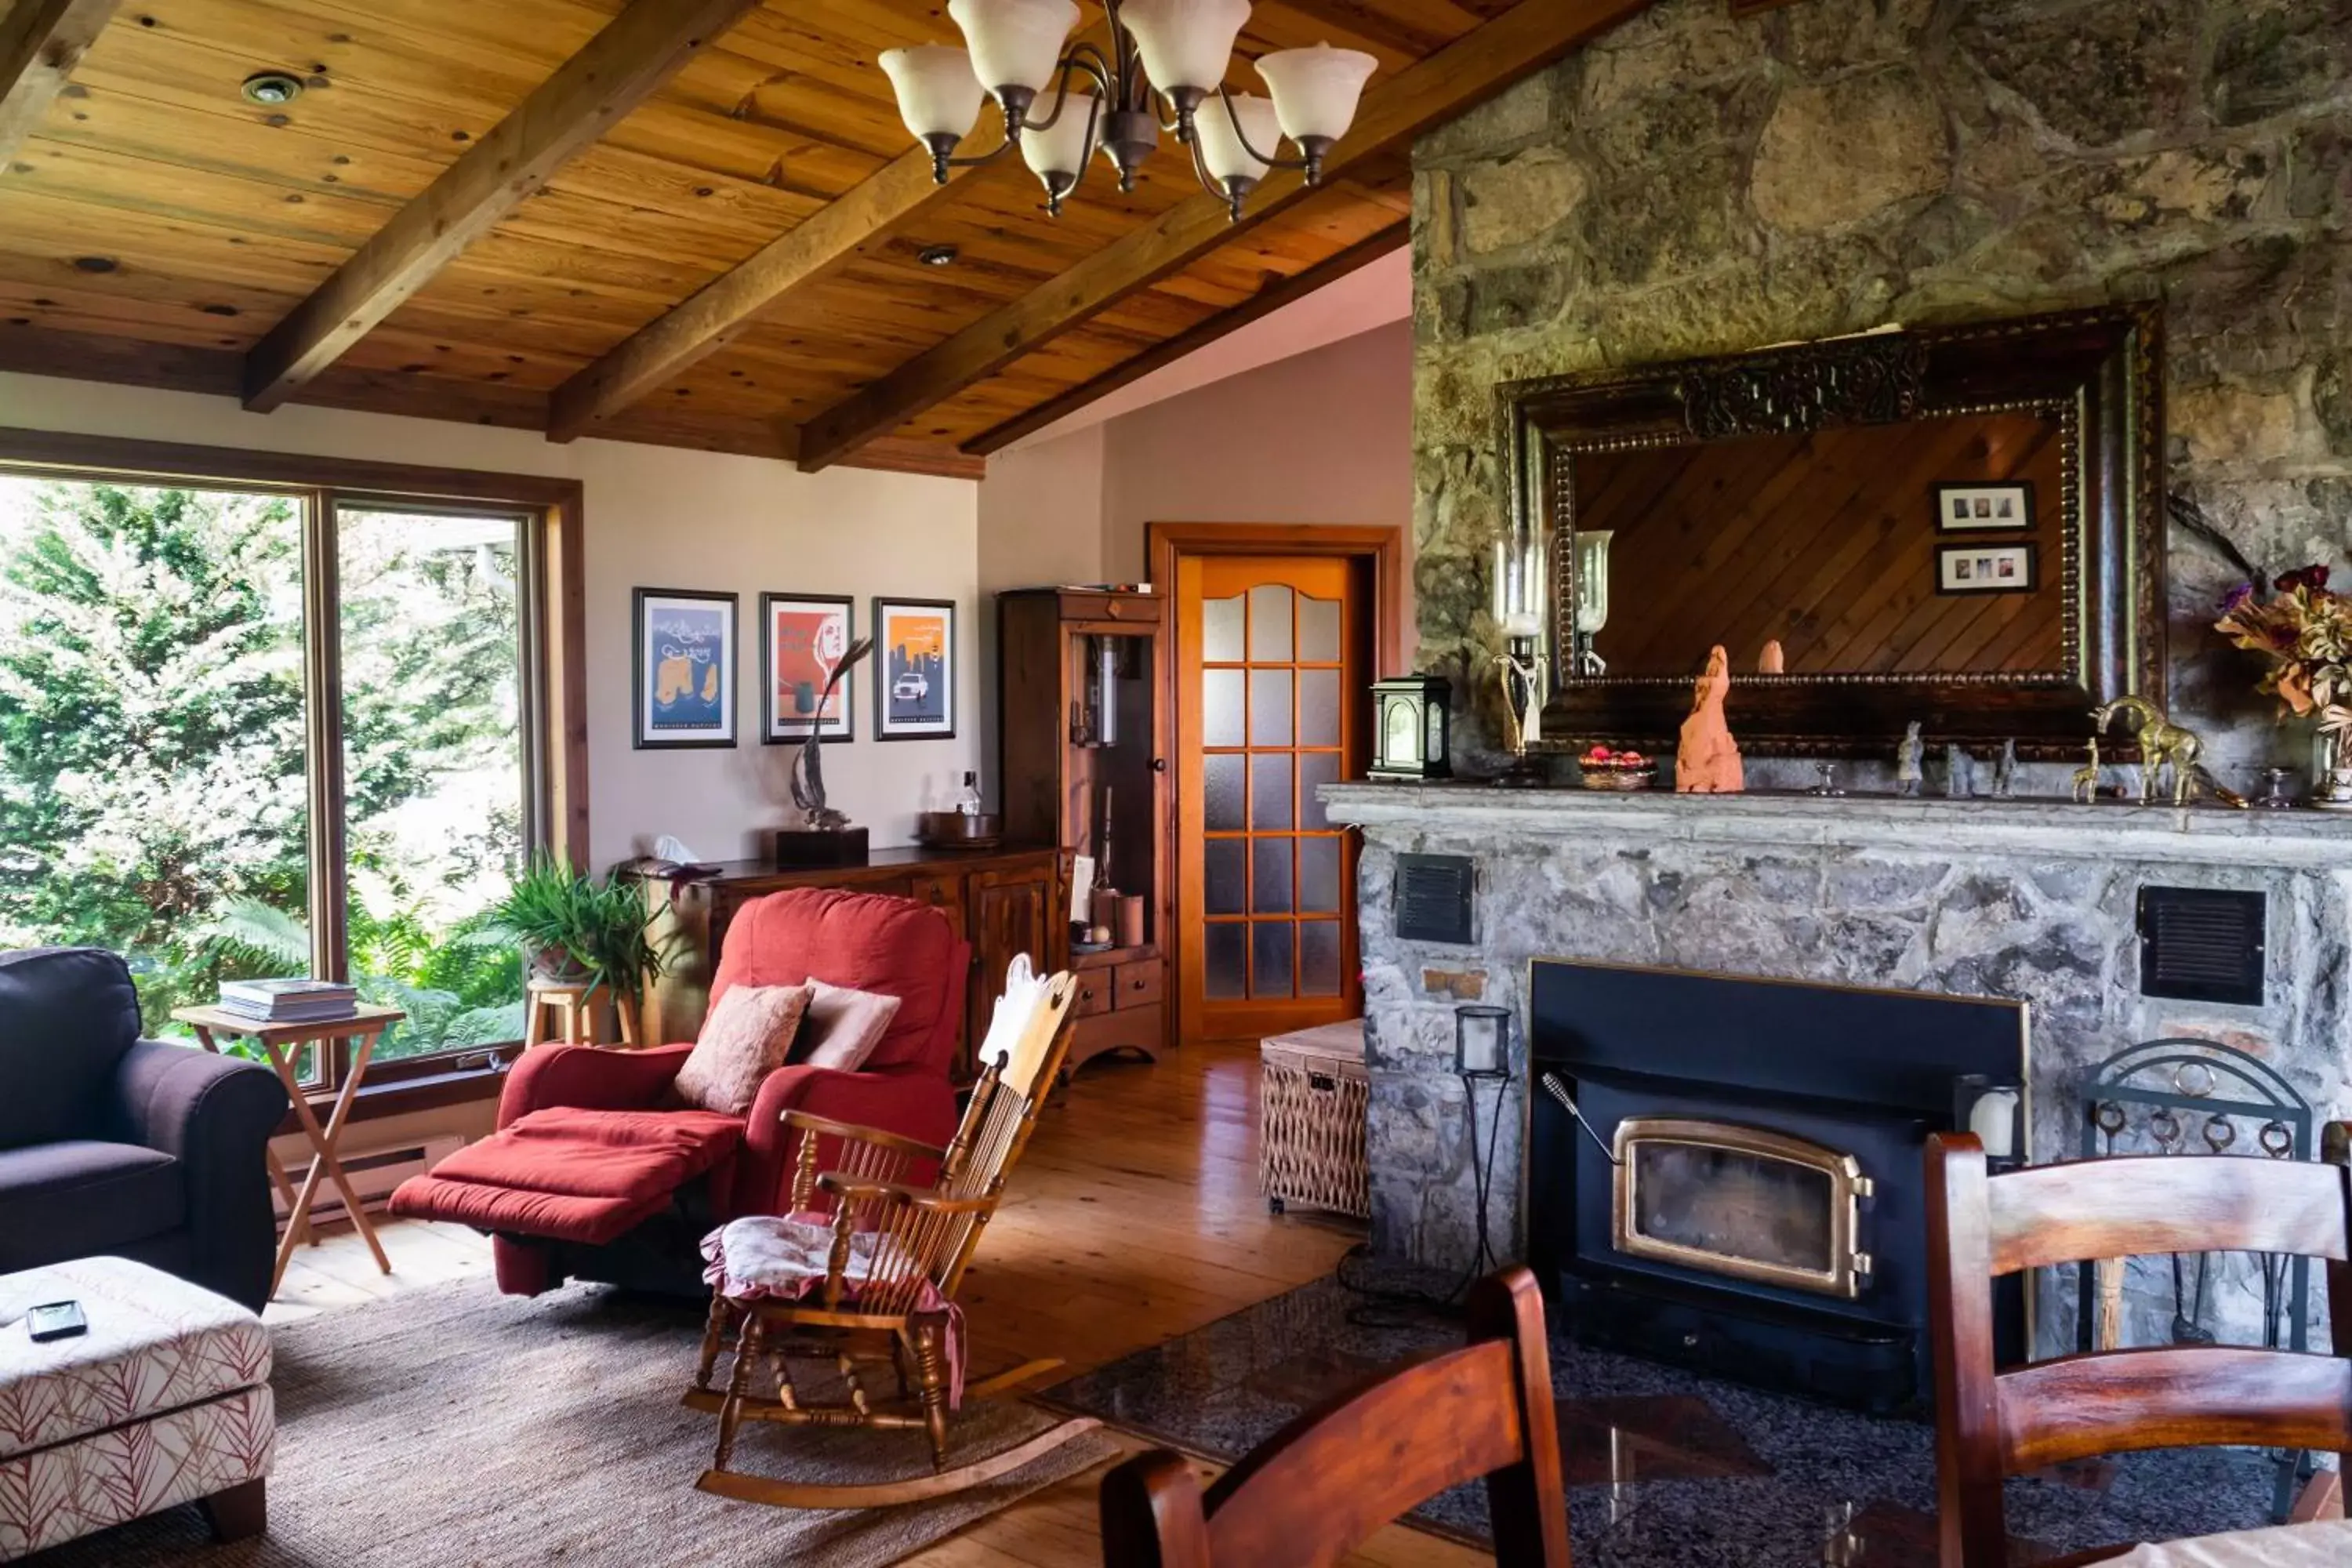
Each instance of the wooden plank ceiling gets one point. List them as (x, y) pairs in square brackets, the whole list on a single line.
[(694, 225)]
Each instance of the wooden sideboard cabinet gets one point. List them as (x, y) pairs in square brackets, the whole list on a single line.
[(1002, 902)]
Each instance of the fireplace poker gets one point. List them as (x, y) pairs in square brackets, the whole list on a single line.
[(1559, 1091)]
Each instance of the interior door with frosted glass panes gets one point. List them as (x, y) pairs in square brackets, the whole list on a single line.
[(1272, 661)]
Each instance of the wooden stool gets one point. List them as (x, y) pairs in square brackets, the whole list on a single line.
[(574, 1003)]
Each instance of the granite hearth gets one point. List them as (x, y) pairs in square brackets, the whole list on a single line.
[(1665, 1468), (2026, 901)]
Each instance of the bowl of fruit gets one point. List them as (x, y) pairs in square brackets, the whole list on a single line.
[(1605, 769)]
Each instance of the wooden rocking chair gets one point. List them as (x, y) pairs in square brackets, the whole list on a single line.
[(873, 1286)]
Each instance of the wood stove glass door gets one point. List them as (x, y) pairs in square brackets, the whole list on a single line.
[(1746, 1201), (1271, 682)]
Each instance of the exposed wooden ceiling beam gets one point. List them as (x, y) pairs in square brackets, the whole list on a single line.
[(861, 218), (857, 222), (619, 68), (1264, 302), (1514, 45), (41, 41), (215, 372)]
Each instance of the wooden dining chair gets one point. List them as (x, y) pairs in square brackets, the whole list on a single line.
[(1316, 1489), (1991, 1425)]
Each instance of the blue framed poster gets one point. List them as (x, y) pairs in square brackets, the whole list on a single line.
[(685, 671)]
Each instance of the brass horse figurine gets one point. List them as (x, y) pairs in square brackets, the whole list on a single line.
[(2162, 743)]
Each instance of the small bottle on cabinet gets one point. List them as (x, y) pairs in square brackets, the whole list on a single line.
[(966, 798)]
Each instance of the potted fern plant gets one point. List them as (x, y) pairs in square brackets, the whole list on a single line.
[(579, 930)]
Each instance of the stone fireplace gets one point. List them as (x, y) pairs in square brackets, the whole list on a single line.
[(2022, 901)]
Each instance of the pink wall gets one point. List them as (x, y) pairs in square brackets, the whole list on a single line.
[(1325, 437)]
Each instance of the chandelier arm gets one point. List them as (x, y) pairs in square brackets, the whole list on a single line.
[(1087, 56), (1235, 116), (1200, 173), (1003, 147), (1061, 97)]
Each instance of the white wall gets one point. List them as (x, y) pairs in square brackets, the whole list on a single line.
[(658, 517)]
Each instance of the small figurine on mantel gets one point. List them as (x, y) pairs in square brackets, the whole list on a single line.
[(1958, 783), (1908, 774), (1707, 761), (1773, 662), (2087, 777), (2004, 772)]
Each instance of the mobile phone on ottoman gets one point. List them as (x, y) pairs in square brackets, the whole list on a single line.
[(56, 1321)]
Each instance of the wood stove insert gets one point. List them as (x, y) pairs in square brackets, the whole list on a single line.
[(1747, 1198)]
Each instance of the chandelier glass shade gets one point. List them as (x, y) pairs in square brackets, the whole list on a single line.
[(937, 94), (1161, 69), (1227, 134), (1185, 43)]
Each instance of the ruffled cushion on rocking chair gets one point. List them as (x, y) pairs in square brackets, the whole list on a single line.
[(777, 1257)]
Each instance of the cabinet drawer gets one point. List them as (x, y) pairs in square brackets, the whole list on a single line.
[(1093, 993), (1139, 985), (1130, 1028)]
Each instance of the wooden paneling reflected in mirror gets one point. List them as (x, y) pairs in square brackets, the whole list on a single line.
[(1829, 541), (1956, 525)]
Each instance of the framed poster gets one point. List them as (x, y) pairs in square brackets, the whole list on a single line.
[(915, 640), (802, 639), (1972, 509), (684, 671), (1985, 569)]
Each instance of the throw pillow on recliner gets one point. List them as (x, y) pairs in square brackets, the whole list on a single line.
[(748, 1035), (843, 1027)]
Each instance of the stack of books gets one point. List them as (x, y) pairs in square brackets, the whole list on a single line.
[(288, 1001)]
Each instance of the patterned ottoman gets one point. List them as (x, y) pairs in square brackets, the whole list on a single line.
[(165, 1401)]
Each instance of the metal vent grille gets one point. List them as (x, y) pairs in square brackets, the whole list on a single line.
[(1432, 898), (2201, 944)]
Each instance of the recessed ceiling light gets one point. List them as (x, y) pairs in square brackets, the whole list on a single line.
[(937, 256), (272, 88)]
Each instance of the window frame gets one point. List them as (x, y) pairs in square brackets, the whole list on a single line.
[(552, 676)]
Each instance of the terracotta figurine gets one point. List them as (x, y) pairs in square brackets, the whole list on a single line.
[(1773, 661), (1959, 773), (2004, 772), (1707, 761)]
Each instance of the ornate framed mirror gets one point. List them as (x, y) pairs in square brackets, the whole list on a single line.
[(1957, 525)]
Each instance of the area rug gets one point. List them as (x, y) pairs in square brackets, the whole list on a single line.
[(1666, 1468), (466, 1429)]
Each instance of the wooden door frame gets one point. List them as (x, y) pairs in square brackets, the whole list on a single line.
[(1166, 545)]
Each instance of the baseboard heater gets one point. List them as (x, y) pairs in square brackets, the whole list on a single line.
[(373, 1175)]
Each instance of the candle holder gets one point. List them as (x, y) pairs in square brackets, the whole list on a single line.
[(1522, 669), (1482, 1054), (1482, 1040)]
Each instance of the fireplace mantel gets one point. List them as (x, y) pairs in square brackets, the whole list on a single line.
[(2033, 901), (2203, 834)]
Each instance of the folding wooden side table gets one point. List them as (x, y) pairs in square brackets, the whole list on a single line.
[(363, 1027)]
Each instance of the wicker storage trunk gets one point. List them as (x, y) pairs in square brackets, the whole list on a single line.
[(1312, 1101)]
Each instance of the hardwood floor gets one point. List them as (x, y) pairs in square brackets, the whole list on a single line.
[(1135, 1217)]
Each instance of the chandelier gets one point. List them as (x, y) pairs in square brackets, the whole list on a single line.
[(1163, 69)]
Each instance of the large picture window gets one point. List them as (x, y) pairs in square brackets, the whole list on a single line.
[(281, 729)]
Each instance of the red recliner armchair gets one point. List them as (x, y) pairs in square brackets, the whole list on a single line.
[(595, 1173)]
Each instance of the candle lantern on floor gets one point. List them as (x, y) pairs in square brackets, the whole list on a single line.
[(1482, 1054), (1482, 1040)]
